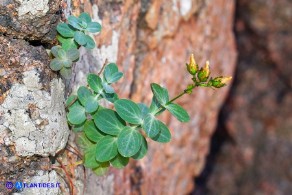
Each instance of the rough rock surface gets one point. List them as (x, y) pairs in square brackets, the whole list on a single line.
[(151, 42), (258, 117), (33, 123), (33, 20)]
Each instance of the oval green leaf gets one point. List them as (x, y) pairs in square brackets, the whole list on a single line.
[(142, 151), (106, 149), (129, 111), (72, 54), (90, 44), (75, 22), (76, 115), (109, 70), (55, 50), (178, 112), (108, 121), (95, 83), (164, 135), (129, 142), (89, 158), (93, 27), (56, 64), (70, 100), (160, 93), (66, 72), (92, 132), (115, 77), (85, 17), (91, 104), (80, 38), (83, 94), (107, 88), (119, 161), (64, 30), (151, 125), (67, 43)]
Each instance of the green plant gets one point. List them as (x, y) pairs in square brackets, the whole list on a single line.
[(111, 136), (72, 36)]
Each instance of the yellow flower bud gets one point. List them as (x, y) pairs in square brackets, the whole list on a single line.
[(224, 80), (192, 67), (219, 82), (204, 73)]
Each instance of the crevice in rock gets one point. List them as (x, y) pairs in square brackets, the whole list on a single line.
[(219, 138)]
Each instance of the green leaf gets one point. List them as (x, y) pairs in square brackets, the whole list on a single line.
[(56, 64), (62, 54), (67, 43), (151, 125), (142, 151), (108, 121), (178, 112), (89, 157), (90, 44), (70, 100), (129, 142), (78, 128), (85, 17), (119, 161), (55, 50), (76, 115), (72, 54), (102, 169), (91, 104), (64, 30), (95, 83), (107, 88), (109, 70), (83, 94), (66, 72), (93, 27), (92, 132), (115, 77), (75, 22), (106, 149), (111, 97), (164, 135), (144, 109), (129, 111), (160, 93), (84, 143), (80, 38)]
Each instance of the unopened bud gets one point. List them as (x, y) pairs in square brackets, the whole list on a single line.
[(192, 67), (219, 82), (204, 73)]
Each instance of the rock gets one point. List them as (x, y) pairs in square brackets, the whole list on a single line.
[(33, 20), (33, 124), (258, 114)]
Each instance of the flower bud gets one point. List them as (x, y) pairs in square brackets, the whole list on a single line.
[(219, 82), (192, 67), (204, 73)]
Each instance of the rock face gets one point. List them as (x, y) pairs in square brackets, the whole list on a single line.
[(33, 123), (258, 115), (151, 42), (33, 20)]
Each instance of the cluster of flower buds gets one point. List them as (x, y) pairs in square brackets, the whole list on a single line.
[(201, 75)]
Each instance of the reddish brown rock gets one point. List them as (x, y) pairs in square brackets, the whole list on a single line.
[(258, 114)]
